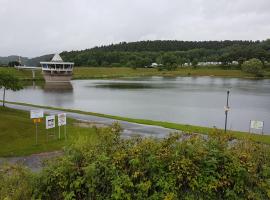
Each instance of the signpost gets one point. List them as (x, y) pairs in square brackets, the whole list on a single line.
[(226, 109), (37, 116), (50, 121), (62, 121), (257, 125)]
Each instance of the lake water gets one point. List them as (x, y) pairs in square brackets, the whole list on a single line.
[(186, 100)]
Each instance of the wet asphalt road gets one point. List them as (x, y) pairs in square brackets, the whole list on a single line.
[(129, 128), (34, 162)]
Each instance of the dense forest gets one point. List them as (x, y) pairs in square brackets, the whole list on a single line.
[(143, 53)]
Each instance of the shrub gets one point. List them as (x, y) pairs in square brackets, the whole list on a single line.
[(177, 167), (15, 183), (181, 166), (253, 66)]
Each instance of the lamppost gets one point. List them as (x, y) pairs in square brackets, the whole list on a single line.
[(227, 108)]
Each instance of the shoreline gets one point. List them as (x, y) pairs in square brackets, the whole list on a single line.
[(265, 138), (87, 73)]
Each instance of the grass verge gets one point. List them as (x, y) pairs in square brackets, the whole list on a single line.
[(117, 72), (17, 134), (182, 127)]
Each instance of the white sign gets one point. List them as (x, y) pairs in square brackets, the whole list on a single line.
[(62, 119), (50, 122), (256, 124), (34, 114)]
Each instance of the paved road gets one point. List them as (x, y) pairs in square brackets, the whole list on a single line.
[(34, 162), (129, 127)]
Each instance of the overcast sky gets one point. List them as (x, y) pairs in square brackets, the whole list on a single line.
[(36, 27)]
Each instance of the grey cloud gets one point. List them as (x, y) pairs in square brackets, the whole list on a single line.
[(36, 27)]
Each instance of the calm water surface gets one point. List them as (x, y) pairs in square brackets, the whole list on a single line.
[(187, 100)]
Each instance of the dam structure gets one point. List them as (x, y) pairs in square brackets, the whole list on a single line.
[(57, 70)]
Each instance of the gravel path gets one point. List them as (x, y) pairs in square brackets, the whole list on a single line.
[(33, 162)]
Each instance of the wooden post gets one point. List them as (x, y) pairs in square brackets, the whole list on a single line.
[(4, 96), (59, 134), (36, 134), (33, 74), (65, 132)]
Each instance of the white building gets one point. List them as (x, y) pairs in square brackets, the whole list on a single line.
[(57, 70)]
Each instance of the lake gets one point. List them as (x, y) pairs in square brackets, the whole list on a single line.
[(186, 100)]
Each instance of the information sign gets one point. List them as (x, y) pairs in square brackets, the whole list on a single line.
[(34, 114), (50, 121), (254, 124), (62, 119)]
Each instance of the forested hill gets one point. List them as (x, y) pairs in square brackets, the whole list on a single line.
[(172, 45), (25, 61), (143, 53)]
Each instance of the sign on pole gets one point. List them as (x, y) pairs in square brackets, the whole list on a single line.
[(37, 120), (257, 125), (62, 119), (50, 121), (34, 114)]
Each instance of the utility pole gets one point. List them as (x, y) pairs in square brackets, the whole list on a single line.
[(227, 108)]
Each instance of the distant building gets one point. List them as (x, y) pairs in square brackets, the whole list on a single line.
[(153, 65), (57, 70), (187, 64), (208, 63), (235, 62)]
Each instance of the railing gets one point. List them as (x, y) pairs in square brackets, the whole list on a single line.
[(57, 70)]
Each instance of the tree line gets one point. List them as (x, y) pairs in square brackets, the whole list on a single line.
[(143, 53)]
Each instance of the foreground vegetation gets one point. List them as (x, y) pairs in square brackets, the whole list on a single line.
[(182, 127), (17, 135), (178, 167)]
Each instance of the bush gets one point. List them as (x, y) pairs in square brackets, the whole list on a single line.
[(181, 166), (253, 66), (15, 183), (172, 168)]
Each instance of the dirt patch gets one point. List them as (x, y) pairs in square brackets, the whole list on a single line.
[(33, 162), (86, 124)]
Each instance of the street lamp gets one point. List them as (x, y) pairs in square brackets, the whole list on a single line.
[(227, 108)]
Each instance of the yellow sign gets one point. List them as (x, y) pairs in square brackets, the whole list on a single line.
[(37, 120)]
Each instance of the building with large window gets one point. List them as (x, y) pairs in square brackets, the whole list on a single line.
[(57, 70)]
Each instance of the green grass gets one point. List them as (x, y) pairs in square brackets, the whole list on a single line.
[(17, 134), (182, 127), (22, 74), (116, 72)]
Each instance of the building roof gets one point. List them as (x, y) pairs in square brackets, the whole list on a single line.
[(57, 58), (60, 63)]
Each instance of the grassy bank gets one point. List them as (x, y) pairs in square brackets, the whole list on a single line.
[(22, 74), (116, 72), (17, 134), (182, 127)]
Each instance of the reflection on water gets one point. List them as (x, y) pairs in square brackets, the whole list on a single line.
[(187, 100), (113, 85), (55, 87)]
